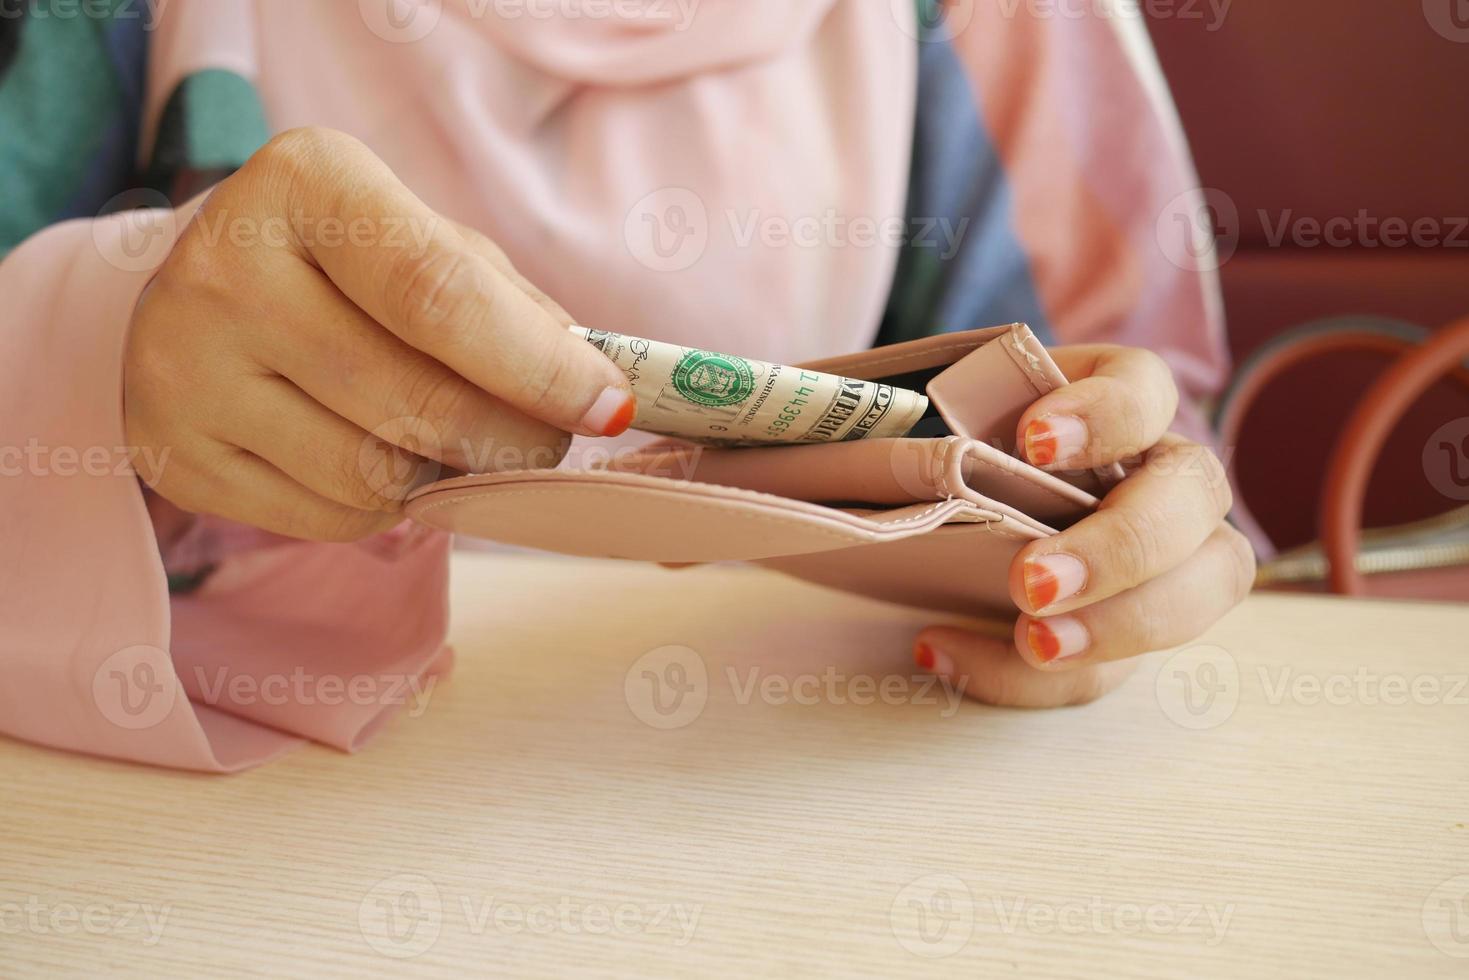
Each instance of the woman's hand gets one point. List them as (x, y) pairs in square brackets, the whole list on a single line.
[(319, 343), (1153, 568)]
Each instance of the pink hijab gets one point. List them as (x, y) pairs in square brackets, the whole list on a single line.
[(710, 171), (713, 176)]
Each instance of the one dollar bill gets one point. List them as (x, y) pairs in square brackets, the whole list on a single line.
[(705, 396)]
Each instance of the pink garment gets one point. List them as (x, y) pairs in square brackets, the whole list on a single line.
[(573, 144)]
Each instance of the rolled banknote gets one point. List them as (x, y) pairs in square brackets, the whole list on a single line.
[(716, 398)]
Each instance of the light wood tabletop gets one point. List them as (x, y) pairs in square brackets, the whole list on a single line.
[(722, 771)]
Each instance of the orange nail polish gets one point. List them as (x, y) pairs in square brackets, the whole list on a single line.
[(1043, 643), (622, 420), (1053, 578), (1041, 585), (1057, 638), (611, 414), (923, 656), (1041, 444)]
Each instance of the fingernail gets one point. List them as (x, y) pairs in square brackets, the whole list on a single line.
[(1057, 638), (932, 660), (1051, 578), (1054, 439), (611, 413)]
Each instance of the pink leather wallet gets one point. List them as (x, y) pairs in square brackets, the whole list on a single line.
[(932, 520)]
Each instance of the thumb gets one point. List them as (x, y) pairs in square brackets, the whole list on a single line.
[(415, 274)]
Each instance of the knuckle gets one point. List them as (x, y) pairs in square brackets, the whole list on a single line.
[(192, 266), (1085, 686), (1216, 480), (1199, 464), (1124, 413), (428, 296), (1133, 541), (381, 475), (426, 390), (350, 484), (1001, 688), (542, 385), (304, 148), (302, 166), (1243, 564), (1163, 386), (1133, 407)]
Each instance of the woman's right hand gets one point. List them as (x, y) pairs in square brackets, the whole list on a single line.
[(319, 343)]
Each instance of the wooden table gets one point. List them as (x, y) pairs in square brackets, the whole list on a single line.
[(1288, 797)]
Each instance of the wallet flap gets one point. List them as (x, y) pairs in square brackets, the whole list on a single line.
[(984, 393), (626, 515), (923, 354), (878, 472), (961, 568)]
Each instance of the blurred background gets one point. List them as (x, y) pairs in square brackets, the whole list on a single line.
[(1332, 135)]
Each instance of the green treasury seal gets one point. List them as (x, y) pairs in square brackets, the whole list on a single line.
[(716, 380)]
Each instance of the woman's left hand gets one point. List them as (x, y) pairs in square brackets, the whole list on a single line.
[(1153, 568)]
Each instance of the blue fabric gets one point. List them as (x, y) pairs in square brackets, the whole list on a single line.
[(959, 192), (125, 42)]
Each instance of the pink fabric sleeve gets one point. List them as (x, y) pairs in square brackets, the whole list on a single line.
[(285, 641), (1101, 173)]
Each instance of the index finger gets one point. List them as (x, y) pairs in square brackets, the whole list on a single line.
[(1119, 404), (420, 278)]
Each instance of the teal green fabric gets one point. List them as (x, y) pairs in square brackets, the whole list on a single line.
[(71, 105), (57, 101), (212, 122)]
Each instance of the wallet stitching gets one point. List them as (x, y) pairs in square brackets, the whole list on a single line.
[(916, 517), (1037, 378), (767, 518)]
